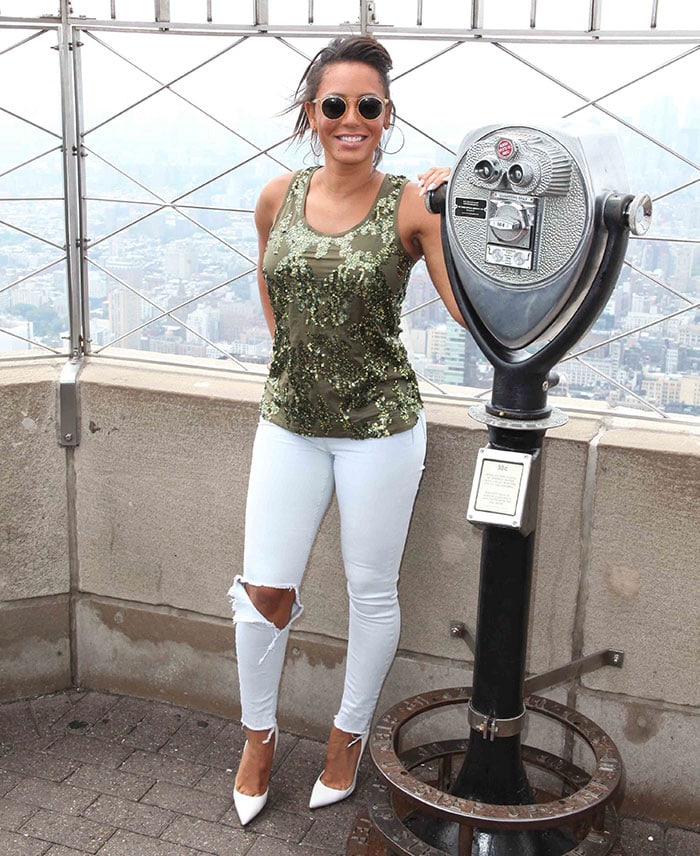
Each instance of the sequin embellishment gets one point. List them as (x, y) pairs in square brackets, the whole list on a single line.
[(339, 368)]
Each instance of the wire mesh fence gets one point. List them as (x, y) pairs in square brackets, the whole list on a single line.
[(138, 137)]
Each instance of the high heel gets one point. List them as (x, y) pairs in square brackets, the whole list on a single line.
[(248, 807), (322, 795)]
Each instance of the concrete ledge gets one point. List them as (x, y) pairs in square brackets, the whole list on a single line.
[(33, 512), (660, 747), (34, 647), (156, 653), (188, 659), (144, 522)]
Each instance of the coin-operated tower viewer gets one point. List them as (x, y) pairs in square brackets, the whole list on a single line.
[(535, 226)]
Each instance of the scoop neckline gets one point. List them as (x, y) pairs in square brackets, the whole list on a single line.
[(346, 231)]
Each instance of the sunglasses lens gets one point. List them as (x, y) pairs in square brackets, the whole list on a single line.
[(333, 107), (370, 107)]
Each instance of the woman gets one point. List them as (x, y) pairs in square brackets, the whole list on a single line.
[(341, 408)]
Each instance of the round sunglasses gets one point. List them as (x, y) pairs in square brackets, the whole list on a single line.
[(336, 106)]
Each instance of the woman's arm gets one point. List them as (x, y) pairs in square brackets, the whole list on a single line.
[(420, 233), (268, 204)]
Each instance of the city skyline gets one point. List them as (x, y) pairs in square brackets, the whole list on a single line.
[(160, 151)]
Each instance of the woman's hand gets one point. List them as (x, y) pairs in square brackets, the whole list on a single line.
[(432, 178)]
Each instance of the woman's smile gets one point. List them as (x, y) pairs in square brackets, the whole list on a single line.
[(351, 139)]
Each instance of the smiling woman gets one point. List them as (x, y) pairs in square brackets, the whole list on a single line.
[(341, 410)]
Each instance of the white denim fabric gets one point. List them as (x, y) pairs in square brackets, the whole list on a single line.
[(292, 480)]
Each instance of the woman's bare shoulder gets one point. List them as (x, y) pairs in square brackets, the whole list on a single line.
[(277, 187), (272, 196)]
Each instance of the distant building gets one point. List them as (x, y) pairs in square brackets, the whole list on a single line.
[(10, 342)]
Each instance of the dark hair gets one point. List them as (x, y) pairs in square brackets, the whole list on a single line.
[(363, 49)]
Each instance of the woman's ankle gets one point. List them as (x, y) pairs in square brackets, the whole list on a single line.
[(255, 765), (342, 758)]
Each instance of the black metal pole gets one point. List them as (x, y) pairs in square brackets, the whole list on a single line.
[(493, 770)]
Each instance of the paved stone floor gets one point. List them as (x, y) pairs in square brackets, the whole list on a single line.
[(88, 772)]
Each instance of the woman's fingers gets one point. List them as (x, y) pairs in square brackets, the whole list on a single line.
[(432, 178)]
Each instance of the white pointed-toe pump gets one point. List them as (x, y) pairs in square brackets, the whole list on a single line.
[(248, 807), (322, 795)]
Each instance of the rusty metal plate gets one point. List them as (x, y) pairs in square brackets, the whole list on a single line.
[(588, 799), (384, 833)]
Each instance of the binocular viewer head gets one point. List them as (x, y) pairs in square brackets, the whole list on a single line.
[(528, 219)]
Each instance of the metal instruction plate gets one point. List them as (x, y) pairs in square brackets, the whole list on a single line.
[(499, 490)]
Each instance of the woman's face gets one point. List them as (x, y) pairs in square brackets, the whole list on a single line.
[(351, 138)]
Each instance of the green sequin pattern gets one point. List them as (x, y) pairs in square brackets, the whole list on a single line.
[(338, 367)]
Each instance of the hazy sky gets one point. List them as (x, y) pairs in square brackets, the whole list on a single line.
[(249, 85)]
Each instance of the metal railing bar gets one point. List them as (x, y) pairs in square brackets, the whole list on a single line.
[(162, 87), (152, 202), (293, 48), (206, 293), (184, 98), (662, 239), (631, 82), (31, 160), (29, 122), (262, 12), (122, 172), (165, 313), (23, 41), (203, 338), (151, 358), (522, 36), (46, 25), (30, 275), (477, 14), (676, 189), (31, 199), (431, 382), (29, 357), (650, 35), (558, 37), (602, 109), (97, 241), (156, 210), (632, 332), (245, 162), (621, 386), (182, 305), (31, 235), (594, 15), (425, 62), (29, 341), (659, 282), (163, 204), (420, 306), (654, 14), (426, 135)]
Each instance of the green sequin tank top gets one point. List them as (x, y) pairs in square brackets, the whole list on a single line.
[(338, 366)]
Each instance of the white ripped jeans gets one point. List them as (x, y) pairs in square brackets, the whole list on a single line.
[(292, 480)]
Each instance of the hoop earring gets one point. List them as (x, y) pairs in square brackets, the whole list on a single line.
[(382, 145), (316, 147)]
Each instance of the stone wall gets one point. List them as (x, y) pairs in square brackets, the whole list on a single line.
[(132, 540)]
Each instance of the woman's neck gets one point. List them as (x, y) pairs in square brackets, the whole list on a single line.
[(344, 181)]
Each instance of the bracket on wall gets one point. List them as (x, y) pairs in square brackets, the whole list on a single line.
[(545, 680), (459, 630), (68, 412), (574, 669)]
